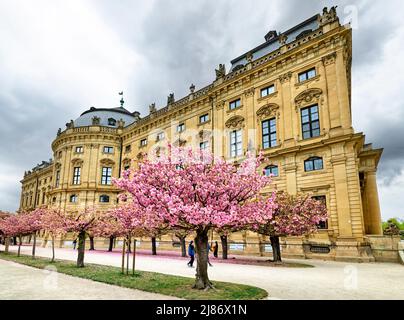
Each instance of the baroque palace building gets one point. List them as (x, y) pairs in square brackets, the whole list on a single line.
[(290, 98)]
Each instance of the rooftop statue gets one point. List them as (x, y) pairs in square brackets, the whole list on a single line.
[(221, 72)]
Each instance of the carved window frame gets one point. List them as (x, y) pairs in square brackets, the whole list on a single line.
[(266, 112), (308, 98)]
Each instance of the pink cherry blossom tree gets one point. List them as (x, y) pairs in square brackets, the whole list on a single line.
[(53, 222), (196, 192), (295, 215), (81, 223), (17, 226), (34, 222), (128, 219)]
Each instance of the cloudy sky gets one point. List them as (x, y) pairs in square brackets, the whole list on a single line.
[(58, 58)]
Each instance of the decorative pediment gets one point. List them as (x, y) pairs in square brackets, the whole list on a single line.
[(107, 162), (269, 110), (204, 134), (141, 155), (308, 96), (235, 122), (126, 161), (179, 142), (77, 161)]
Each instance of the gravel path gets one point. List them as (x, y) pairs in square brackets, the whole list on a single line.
[(22, 282), (327, 280)]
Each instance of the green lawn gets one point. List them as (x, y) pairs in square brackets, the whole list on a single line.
[(147, 281)]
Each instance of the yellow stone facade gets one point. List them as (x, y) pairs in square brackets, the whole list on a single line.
[(307, 67)]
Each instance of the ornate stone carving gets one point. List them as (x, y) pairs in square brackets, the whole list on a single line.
[(179, 142), (141, 155), (70, 125), (204, 134), (269, 110), (170, 99), (308, 96), (235, 122), (329, 59), (220, 105), (249, 92), (285, 77), (249, 57), (59, 132), (95, 121), (328, 16), (121, 123), (282, 39), (107, 162), (192, 88), (77, 161), (221, 72), (152, 108)]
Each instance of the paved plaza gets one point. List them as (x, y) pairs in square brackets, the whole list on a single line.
[(327, 280)]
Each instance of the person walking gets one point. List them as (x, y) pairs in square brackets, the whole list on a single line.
[(74, 243), (191, 253), (208, 251), (215, 249)]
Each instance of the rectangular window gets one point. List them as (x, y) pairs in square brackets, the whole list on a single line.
[(143, 142), (128, 148), (181, 127), (57, 179), (108, 149), (269, 133), (235, 104), (76, 175), (322, 224), (310, 122), (308, 74), (106, 175), (204, 145), (204, 118), (236, 145), (267, 91), (160, 136), (313, 163), (79, 149)]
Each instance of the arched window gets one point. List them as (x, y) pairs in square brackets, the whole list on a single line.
[(73, 198), (271, 170), (111, 122), (104, 198), (313, 163)]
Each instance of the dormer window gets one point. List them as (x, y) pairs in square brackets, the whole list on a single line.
[(111, 122)]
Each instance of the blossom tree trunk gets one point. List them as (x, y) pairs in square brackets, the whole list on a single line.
[(111, 243), (81, 248), (276, 248), (154, 247), (53, 248), (91, 243), (34, 246), (201, 242), (19, 245), (6, 244), (183, 247), (223, 239)]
